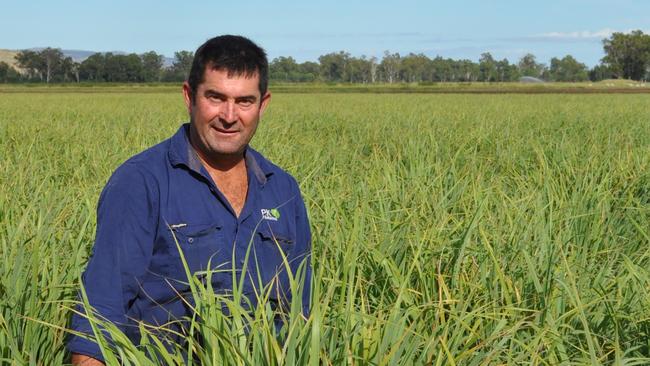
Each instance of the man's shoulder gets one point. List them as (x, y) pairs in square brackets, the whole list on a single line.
[(151, 162), (275, 173), (157, 154)]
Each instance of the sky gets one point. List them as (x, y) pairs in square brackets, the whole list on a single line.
[(304, 30)]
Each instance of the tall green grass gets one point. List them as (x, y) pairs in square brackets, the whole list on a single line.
[(447, 229)]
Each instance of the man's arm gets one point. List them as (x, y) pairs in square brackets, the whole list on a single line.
[(126, 228), (303, 250), (83, 360)]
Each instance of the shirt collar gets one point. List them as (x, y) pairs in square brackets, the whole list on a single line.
[(182, 153)]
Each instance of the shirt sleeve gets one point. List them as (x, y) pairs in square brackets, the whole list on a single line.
[(126, 226), (303, 250)]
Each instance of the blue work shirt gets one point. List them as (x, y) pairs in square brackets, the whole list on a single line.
[(164, 195)]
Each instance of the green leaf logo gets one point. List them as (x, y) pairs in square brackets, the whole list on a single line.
[(275, 213)]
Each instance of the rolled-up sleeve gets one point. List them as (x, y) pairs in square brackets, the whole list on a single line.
[(126, 227)]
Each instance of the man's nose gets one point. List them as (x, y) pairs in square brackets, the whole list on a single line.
[(229, 112)]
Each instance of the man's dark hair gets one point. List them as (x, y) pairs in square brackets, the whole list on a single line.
[(236, 54)]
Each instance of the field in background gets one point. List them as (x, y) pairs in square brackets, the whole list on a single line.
[(601, 87), (448, 229)]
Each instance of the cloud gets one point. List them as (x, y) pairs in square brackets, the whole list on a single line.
[(344, 35), (580, 35), (586, 35)]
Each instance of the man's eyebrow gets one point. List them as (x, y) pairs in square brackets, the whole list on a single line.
[(213, 93), (246, 98)]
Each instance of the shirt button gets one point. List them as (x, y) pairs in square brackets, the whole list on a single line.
[(190, 240)]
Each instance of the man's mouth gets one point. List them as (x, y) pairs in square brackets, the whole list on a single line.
[(224, 131)]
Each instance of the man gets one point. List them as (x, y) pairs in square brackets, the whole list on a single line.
[(205, 190)]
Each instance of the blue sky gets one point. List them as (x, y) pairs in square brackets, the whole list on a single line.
[(306, 30)]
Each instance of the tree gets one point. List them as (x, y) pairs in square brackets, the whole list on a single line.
[(113, 68), (333, 65), (310, 71), (373, 69), (69, 70), (358, 70), (390, 67), (528, 66), (601, 72), (8, 74), (506, 71), (468, 70), (132, 67), (288, 70), (52, 60), (440, 69), (414, 67), (283, 69), (31, 62), (152, 64), (180, 68), (122, 68), (628, 55), (463, 70), (92, 68), (488, 68), (46, 64), (567, 69)]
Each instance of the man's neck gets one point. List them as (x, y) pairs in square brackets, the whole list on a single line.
[(222, 164), (230, 176), (233, 184)]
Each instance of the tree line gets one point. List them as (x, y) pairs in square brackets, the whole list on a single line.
[(627, 56), (50, 65)]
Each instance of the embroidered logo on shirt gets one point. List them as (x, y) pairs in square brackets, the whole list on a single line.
[(270, 214)]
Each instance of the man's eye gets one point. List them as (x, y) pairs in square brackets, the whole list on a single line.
[(214, 97), (245, 103)]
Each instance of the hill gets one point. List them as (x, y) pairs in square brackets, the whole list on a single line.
[(8, 56)]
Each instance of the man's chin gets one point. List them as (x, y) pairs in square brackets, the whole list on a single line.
[(227, 152)]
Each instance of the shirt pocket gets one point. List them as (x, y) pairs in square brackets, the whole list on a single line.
[(273, 254), (202, 245)]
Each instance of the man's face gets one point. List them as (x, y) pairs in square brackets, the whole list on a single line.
[(224, 114)]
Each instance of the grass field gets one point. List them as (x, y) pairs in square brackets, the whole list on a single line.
[(447, 229)]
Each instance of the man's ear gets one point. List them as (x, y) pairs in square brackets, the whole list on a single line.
[(187, 96), (265, 101)]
